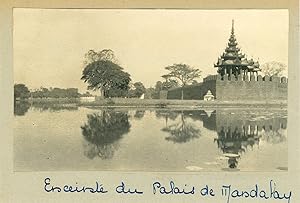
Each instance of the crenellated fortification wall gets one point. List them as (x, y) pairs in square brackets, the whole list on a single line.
[(196, 92), (252, 88), (226, 89)]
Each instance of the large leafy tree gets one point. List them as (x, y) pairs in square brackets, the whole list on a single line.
[(103, 55), (183, 74), (273, 68), (21, 91), (169, 84), (105, 75)]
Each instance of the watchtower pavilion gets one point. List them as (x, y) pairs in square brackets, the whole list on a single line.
[(233, 63), (237, 79)]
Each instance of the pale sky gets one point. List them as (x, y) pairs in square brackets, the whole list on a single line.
[(49, 44)]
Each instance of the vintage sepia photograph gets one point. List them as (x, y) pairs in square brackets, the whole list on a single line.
[(167, 90)]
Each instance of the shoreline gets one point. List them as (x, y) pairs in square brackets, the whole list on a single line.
[(159, 103)]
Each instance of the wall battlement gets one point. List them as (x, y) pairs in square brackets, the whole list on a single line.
[(251, 78), (255, 88)]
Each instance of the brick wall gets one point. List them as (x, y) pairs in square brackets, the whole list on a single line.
[(193, 92), (260, 88), (249, 88)]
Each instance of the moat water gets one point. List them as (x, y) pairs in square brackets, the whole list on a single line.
[(48, 137)]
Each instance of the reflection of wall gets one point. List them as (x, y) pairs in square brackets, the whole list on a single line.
[(209, 121), (259, 120), (240, 130), (237, 130)]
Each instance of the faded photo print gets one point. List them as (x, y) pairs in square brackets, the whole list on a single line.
[(150, 90)]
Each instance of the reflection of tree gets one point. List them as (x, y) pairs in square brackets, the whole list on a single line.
[(21, 108), (273, 136), (139, 114), (167, 114), (54, 106), (181, 132), (102, 130)]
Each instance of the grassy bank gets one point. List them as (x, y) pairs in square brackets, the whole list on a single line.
[(155, 103), (158, 103), (54, 100)]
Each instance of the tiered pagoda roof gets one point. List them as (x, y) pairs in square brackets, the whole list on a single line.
[(232, 56)]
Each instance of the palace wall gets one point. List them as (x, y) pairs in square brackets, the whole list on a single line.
[(252, 88), (194, 92), (249, 88)]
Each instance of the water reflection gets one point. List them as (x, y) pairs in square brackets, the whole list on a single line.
[(53, 107), (207, 116), (22, 107), (139, 114), (215, 139), (236, 141), (102, 131), (274, 135), (239, 132), (182, 131)]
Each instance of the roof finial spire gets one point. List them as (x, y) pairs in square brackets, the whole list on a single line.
[(232, 27)]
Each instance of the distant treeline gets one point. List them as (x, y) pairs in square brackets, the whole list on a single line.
[(56, 93), (21, 91)]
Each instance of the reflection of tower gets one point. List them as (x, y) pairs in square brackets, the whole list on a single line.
[(239, 130), (236, 141)]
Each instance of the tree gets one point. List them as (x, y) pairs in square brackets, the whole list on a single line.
[(107, 76), (137, 90), (169, 84), (103, 55), (149, 93), (86, 94), (273, 68), (21, 91), (183, 74)]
